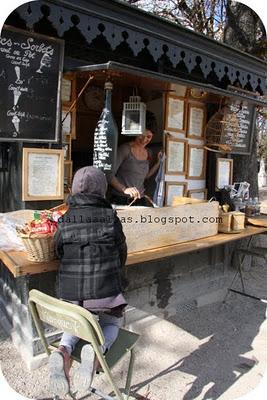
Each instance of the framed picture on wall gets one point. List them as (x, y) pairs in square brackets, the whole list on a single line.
[(174, 189), (42, 174), (196, 168), (224, 172), (68, 89), (200, 194), (176, 156), (196, 120), (68, 123), (175, 114)]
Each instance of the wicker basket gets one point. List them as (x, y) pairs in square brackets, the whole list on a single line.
[(39, 247)]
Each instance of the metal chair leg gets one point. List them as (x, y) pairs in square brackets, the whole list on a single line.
[(229, 289), (129, 374), (240, 271)]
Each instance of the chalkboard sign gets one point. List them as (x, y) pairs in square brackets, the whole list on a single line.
[(30, 78), (246, 116)]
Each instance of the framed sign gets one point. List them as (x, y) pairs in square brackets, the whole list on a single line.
[(196, 162), (174, 189), (68, 122), (30, 83), (42, 174), (200, 194), (176, 152), (196, 120), (224, 172), (175, 114), (68, 89)]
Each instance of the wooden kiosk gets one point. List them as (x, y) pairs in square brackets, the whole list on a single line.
[(183, 77)]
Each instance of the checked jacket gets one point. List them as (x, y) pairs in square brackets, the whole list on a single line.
[(92, 249)]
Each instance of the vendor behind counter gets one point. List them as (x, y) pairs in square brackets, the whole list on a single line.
[(133, 167)]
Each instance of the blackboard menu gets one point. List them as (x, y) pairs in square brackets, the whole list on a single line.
[(30, 76), (245, 113)]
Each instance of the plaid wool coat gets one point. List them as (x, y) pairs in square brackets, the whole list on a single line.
[(92, 250)]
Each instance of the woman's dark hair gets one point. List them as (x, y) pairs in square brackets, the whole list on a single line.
[(151, 122)]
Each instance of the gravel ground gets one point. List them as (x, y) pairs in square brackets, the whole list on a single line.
[(213, 352)]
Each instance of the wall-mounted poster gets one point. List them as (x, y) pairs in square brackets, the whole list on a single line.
[(175, 114), (196, 121), (42, 174), (174, 189), (176, 151), (200, 194), (224, 172), (66, 122), (196, 162), (66, 90), (30, 85)]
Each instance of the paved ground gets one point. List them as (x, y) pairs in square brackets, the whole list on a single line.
[(214, 352)]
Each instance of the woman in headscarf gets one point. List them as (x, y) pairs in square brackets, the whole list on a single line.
[(92, 250)]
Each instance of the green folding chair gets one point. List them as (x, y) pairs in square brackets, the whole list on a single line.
[(80, 322)]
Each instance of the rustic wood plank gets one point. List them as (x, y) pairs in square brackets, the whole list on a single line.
[(19, 265)]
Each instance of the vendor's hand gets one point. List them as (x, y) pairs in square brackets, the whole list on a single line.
[(160, 154), (132, 192)]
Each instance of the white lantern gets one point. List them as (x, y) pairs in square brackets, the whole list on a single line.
[(134, 117)]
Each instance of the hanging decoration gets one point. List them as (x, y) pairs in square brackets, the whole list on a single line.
[(222, 130), (134, 117)]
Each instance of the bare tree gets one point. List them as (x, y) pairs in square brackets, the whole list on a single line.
[(205, 16), (228, 21), (245, 31)]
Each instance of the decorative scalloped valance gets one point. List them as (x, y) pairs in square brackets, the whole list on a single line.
[(92, 37)]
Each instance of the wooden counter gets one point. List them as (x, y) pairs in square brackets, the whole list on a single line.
[(17, 263)]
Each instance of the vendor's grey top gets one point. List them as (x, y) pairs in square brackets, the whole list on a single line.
[(129, 170)]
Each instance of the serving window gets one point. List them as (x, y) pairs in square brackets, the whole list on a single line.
[(179, 116)]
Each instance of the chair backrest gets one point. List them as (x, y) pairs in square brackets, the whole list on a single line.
[(80, 322), (67, 317)]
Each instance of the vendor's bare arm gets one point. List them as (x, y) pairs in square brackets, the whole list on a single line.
[(132, 191), (117, 185)]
